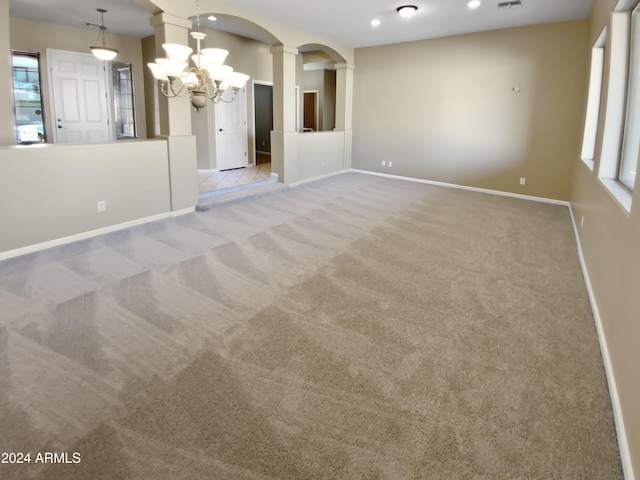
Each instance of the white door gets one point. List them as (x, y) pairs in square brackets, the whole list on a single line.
[(231, 131), (79, 96)]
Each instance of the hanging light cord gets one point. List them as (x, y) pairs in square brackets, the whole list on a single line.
[(102, 33)]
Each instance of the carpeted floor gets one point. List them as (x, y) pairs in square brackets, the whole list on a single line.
[(355, 327)]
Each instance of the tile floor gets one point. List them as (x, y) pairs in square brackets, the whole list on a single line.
[(212, 180)]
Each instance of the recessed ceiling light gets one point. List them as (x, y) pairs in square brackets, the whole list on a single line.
[(474, 4), (407, 11), (212, 18), (375, 22)]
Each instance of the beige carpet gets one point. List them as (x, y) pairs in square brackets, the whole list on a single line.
[(356, 327)]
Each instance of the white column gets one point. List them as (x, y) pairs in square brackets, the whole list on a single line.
[(175, 121), (283, 137), (175, 113), (344, 107)]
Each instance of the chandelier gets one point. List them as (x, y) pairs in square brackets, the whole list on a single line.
[(209, 79)]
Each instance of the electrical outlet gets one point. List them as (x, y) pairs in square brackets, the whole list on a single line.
[(391, 164), (523, 181), (383, 163), (102, 206)]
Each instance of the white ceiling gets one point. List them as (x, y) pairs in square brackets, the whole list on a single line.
[(347, 22)]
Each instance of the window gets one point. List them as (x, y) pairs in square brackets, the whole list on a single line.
[(618, 60), (125, 118), (631, 141), (27, 97), (593, 102)]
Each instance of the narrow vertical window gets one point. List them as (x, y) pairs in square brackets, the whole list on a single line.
[(27, 97), (631, 139), (593, 102), (124, 109)]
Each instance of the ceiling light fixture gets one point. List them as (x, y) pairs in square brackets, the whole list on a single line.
[(208, 80), (102, 52), (375, 22), (407, 11), (473, 4)]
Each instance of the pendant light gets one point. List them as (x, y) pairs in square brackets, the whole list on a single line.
[(102, 52)]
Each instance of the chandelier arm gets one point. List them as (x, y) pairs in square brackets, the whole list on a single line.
[(164, 90), (179, 92), (208, 88), (232, 99)]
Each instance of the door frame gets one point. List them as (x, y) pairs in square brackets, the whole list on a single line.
[(108, 89), (218, 129), (317, 115), (254, 150)]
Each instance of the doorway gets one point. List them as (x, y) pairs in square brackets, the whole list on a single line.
[(310, 116), (263, 121), (231, 130)]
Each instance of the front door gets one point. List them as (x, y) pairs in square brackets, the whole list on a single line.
[(79, 96), (231, 131)]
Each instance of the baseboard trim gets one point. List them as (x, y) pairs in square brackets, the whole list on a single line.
[(319, 177), (184, 211), (464, 187), (84, 235), (623, 444)]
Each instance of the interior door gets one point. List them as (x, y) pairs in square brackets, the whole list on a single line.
[(231, 131), (310, 114), (79, 97)]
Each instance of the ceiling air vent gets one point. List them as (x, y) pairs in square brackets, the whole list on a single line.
[(509, 4)]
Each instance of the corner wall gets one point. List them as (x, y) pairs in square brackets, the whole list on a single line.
[(448, 112)]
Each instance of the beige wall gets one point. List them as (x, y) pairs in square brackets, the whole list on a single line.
[(49, 192), (610, 240), (444, 109), (38, 36)]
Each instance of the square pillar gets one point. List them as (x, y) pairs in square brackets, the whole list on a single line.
[(175, 113), (175, 122), (344, 108), (283, 137)]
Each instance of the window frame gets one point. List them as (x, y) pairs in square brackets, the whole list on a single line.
[(617, 64), (118, 107), (630, 145), (28, 76), (592, 117)]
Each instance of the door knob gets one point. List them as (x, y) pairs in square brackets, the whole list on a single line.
[(220, 130)]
